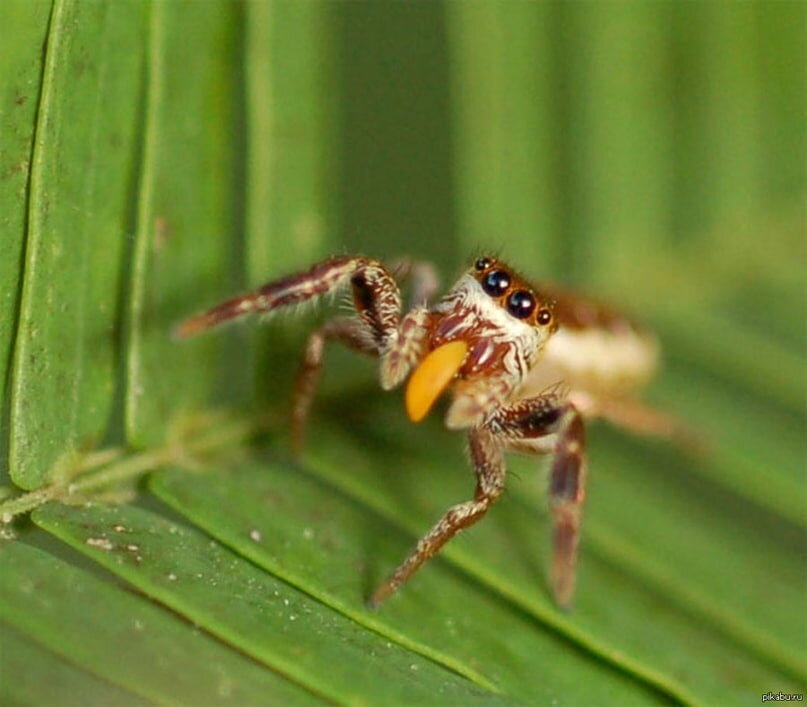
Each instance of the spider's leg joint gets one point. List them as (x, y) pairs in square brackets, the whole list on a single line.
[(489, 466), (547, 424)]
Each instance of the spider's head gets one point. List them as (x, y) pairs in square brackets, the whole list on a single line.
[(511, 293), (490, 326)]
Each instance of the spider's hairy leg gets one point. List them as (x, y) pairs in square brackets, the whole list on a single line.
[(638, 418), (403, 348), (548, 424), (350, 331), (488, 461), (423, 278), (375, 295), (566, 495)]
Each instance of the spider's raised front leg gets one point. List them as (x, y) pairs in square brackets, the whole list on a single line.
[(375, 295), (488, 462), (376, 330), (546, 424)]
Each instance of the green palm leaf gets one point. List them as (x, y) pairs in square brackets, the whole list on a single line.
[(158, 156)]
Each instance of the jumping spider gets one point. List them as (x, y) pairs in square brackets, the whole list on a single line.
[(502, 346)]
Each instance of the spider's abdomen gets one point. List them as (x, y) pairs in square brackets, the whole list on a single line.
[(602, 362)]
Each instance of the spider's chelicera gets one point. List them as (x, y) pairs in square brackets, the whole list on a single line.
[(492, 341)]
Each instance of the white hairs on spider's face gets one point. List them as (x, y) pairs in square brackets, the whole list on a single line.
[(469, 292)]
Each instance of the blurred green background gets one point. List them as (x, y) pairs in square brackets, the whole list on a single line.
[(158, 156)]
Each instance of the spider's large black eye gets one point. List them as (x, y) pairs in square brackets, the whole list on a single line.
[(521, 304), (483, 264), (496, 282)]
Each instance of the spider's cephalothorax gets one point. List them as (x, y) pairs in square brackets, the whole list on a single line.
[(504, 324), (483, 342)]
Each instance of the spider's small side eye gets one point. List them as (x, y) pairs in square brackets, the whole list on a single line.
[(496, 283), (544, 317), (483, 263), (521, 304)]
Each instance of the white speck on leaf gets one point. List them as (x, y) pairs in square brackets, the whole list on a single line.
[(100, 543)]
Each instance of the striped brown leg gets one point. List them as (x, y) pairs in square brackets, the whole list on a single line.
[(351, 332), (566, 495), (375, 295), (375, 330), (546, 424), (404, 347), (488, 462)]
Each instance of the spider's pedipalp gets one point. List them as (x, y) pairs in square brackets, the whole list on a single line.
[(405, 348)]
